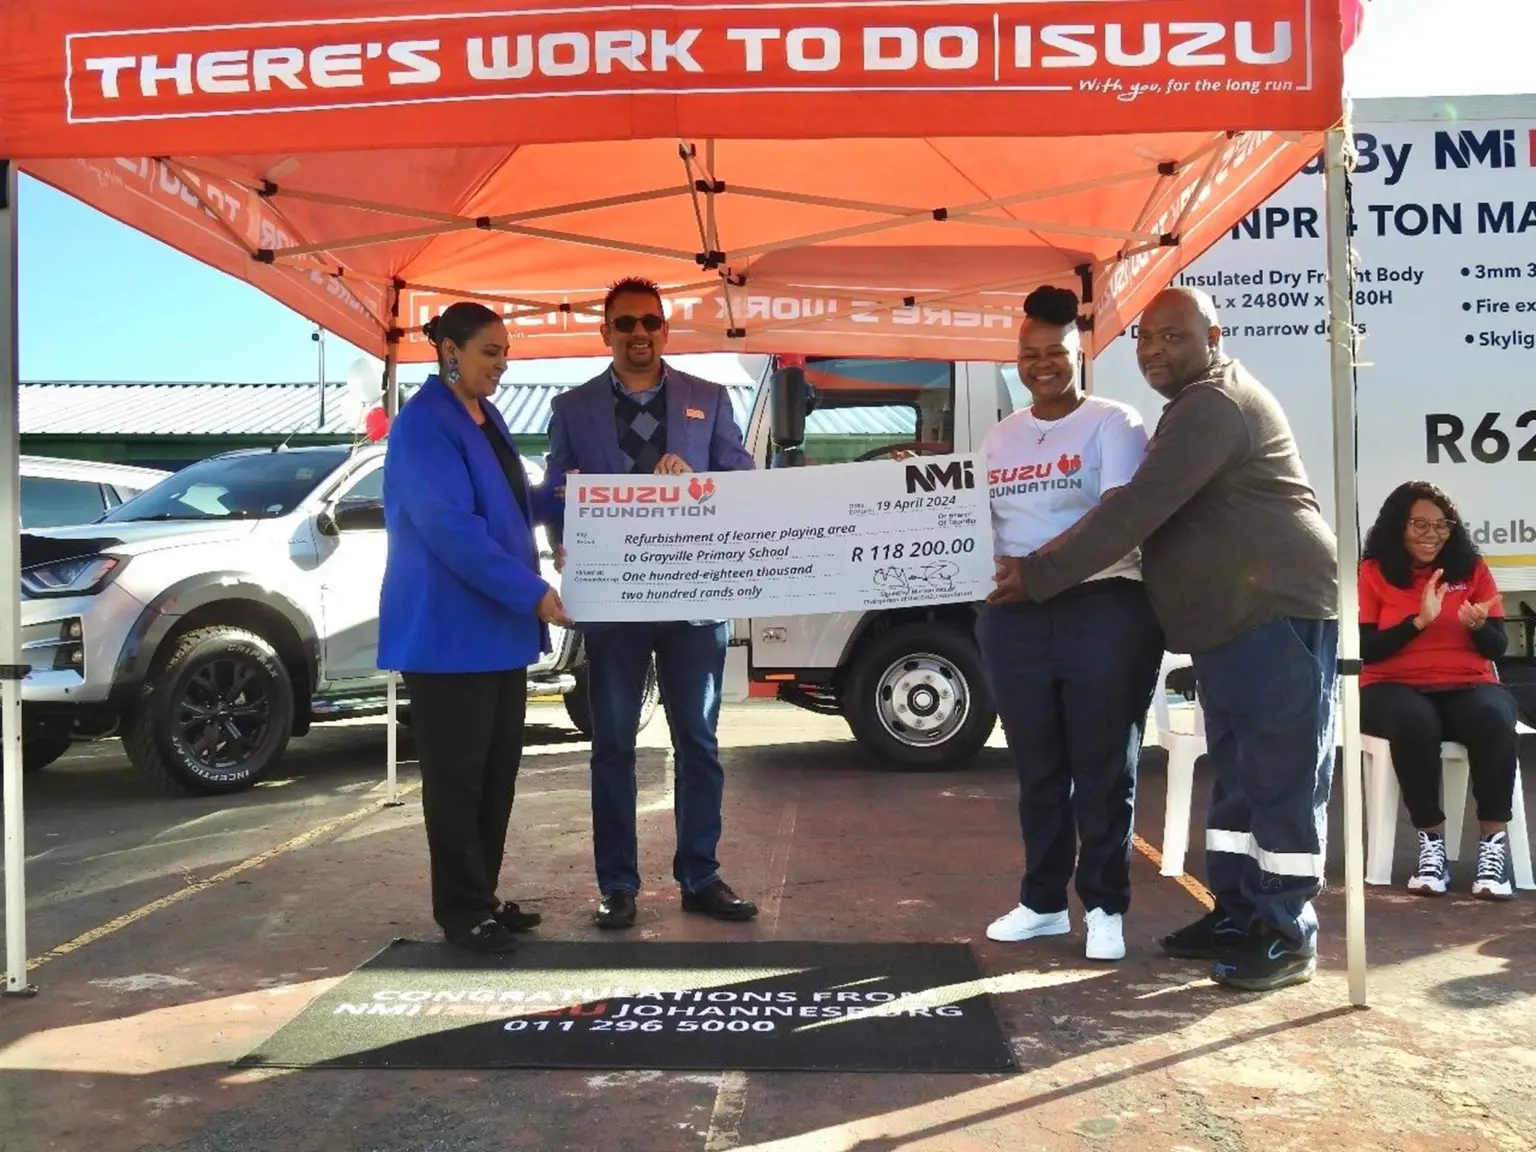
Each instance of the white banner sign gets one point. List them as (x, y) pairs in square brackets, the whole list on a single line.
[(829, 538)]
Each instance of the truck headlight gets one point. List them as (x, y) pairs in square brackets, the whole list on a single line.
[(82, 576)]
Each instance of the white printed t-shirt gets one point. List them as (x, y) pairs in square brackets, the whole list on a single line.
[(1046, 475)]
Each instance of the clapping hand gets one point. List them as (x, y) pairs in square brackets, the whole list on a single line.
[(1434, 596), (1474, 615), (1009, 578), (551, 610)]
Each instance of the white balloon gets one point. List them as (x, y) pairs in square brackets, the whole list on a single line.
[(365, 382), (354, 409)]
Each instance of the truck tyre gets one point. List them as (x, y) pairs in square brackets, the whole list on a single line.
[(578, 705), (41, 751), (917, 700), (214, 715)]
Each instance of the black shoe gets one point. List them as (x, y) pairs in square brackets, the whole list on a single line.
[(720, 902), (616, 911), (514, 919), (1266, 962), (1211, 937), (489, 936)]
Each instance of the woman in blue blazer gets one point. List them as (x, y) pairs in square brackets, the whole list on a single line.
[(463, 613)]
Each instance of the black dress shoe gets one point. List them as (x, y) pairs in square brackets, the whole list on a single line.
[(616, 911), (514, 919), (489, 936), (720, 902)]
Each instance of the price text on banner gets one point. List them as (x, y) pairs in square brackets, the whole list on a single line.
[(831, 538)]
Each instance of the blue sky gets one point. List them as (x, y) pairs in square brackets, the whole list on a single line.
[(142, 311)]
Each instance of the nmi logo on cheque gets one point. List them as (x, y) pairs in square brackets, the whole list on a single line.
[(957, 474)]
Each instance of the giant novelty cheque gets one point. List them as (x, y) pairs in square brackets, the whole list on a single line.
[(780, 542)]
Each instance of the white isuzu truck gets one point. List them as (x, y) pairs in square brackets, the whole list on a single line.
[(1444, 219)]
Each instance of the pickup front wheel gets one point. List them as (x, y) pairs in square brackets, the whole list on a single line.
[(916, 698), (214, 715)]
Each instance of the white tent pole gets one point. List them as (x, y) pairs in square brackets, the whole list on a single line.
[(393, 742), (391, 410), (1341, 339), (11, 670)]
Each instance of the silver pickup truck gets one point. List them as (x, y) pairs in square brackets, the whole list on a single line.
[(212, 617)]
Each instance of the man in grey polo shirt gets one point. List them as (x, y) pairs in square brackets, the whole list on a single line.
[(1241, 569)]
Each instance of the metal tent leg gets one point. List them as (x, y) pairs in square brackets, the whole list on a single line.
[(1341, 338), (391, 409), (11, 669)]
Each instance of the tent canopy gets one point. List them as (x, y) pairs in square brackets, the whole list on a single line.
[(878, 178)]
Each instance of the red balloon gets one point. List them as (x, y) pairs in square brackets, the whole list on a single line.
[(377, 425)]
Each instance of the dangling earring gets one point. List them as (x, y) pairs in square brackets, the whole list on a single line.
[(453, 372)]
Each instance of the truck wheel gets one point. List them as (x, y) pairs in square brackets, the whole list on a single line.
[(215, 714), (578, 705), (41, 751), (917, 698)]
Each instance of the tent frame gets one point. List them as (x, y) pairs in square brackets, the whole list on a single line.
[(1337, 163), (702, 183)]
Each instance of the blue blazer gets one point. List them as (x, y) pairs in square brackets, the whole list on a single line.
[(462, 579), (700, 428)]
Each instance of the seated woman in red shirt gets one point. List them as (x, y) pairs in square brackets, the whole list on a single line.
[(1431, 625)]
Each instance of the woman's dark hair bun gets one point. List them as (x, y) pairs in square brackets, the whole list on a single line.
[(1052, 305), (459, 322)]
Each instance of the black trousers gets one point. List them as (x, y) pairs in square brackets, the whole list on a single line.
[(1073, 679), (468, 729), (1414, 722)]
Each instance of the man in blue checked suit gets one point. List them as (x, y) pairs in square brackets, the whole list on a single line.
[(642, 417)]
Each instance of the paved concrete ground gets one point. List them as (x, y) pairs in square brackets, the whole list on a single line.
[(128, 1046)]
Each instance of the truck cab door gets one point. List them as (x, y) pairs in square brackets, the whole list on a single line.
[(863, 407)]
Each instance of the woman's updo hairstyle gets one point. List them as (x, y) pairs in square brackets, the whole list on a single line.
[(1052, 305), (459, 323)]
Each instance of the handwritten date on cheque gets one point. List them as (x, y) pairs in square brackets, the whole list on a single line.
[(765, 544)]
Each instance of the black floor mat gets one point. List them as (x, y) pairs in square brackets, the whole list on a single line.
[(776, 1005)]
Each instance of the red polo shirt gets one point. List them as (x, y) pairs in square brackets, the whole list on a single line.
[(1440, 655)]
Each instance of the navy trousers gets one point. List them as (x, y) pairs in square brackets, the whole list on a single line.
[(1269, 705), (1073, 679), (690, 667)]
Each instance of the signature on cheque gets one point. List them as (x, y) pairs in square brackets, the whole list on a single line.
[(938, 576)]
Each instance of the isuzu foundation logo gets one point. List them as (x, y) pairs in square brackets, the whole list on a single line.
[(220, 70), (644, 501)]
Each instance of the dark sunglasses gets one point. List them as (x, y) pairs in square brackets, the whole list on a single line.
[(626, 324)]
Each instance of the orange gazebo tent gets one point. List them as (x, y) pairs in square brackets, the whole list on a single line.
[(859, 177)]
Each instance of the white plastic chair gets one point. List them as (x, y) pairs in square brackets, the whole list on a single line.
[(1382, 797), (1185, 743)]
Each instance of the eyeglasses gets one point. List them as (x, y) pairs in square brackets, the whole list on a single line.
[(1431, 527), (626, 324)]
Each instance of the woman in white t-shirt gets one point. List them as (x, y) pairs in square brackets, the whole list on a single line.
[(1073, 677)]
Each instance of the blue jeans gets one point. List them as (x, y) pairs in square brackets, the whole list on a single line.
[(690, 667), (1073, 679), (1268, 698)]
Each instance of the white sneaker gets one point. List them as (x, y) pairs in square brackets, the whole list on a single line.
[(1106, 937), (1492, 881), (1023, 924)]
